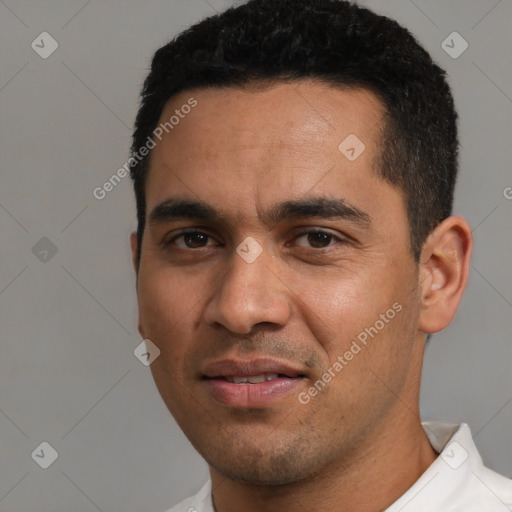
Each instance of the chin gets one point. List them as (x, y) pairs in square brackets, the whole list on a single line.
[(265, 465), (264, 474)]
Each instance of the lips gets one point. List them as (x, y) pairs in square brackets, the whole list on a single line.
[(250, 368), (252, 383)]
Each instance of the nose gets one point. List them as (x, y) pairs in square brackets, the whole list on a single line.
[(248, 294)]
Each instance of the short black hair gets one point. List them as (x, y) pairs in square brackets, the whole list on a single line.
[(341, 44)]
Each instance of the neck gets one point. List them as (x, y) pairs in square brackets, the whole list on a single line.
[(394, 456)]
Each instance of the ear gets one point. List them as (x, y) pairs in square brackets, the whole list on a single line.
[(134, 248), (444, 269)]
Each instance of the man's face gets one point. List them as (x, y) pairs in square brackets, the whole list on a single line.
[(335, 265)]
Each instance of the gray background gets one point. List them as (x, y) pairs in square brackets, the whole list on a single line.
[(68, 375)]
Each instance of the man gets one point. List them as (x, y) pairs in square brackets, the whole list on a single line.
[(295, 248)]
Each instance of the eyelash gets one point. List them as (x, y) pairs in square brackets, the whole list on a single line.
[(191, 231)]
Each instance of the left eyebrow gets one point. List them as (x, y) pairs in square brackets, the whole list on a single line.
[(322, 207)]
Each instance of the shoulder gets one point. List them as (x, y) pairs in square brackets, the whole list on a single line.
[(490, 489), (482, 488), (476, 486), (201, 502), (458, 479)]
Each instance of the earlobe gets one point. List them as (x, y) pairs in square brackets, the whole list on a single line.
[(444, 269)]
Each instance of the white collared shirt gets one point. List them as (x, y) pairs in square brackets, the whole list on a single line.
[(457, 481)]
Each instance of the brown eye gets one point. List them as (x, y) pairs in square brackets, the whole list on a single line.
[(194, 240), (319, 239), (191, 240), (316, 239)]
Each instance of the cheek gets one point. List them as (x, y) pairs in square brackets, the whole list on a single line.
[(156, 302), (166, 310), (339, 305), (166, 305)]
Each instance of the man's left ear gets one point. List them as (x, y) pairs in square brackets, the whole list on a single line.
[(444, 269)]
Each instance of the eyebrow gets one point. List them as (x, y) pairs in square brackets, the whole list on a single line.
[(173, 209)]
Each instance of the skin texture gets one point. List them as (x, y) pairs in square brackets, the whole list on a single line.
[(358, 444)]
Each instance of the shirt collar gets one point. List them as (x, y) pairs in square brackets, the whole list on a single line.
[(442, 486), (449, 477)]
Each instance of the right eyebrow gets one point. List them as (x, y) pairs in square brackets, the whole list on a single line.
[(174, 209)]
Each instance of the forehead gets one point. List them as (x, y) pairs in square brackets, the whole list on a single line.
[(302, 115), (247, 148)]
